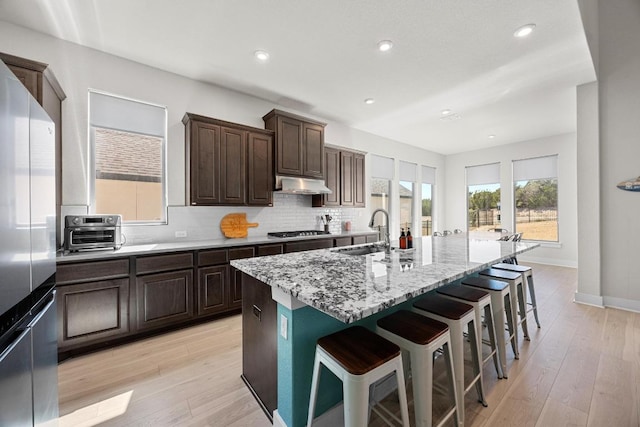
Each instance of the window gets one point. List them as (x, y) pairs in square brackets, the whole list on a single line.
[(535, 185), (428, 180), (483, 197), (128, 166), (381, 176), (406, 192)]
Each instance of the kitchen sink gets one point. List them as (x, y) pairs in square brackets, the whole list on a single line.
[(361, 250)]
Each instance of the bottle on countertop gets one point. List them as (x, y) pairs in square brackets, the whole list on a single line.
[(409, 239), (403, 240)]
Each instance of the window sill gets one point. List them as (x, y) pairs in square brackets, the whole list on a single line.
[(545, 244)]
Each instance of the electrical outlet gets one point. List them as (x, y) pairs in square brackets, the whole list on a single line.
[(181, 234), (283, 326)]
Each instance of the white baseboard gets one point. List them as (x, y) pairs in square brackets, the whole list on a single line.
[(549, 261), (588, 299), (622, 303)]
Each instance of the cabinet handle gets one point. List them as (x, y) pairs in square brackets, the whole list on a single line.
[(257, 312)]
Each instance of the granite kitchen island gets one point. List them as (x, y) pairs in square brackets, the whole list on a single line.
[(318, 292)]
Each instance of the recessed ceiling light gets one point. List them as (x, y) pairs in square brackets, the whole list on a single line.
[(369, 101), (491, 136), (385, 45), (446, 111), (261, 55), (524, 31)]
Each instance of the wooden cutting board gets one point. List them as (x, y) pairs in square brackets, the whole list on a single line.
[(235, 225)]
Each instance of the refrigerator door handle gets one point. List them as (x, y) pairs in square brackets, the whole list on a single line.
[(13, 344), (43, 310)]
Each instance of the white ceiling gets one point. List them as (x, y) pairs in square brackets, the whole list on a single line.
[(459, 55)]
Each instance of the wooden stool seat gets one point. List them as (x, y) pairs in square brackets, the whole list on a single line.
[(413, 327), (511, 267), (457, 291), (443, 307), (358, 349), (485, 283), (500, 274)]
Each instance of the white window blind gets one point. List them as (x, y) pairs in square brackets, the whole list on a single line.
[(428, 175), (483, 174), (408, 171), (112, 112), (381, 167), (536, 168)]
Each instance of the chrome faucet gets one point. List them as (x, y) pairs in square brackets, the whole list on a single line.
[(387, 239)]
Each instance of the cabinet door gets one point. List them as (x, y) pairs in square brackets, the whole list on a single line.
[(260, 153), (92, 312), (204, 152), (346, 175), (233, 160), (260, 342), (164, 299), (359, 196), (371, 238), (359, 240), (235, 282), (313, 150), (213, 290), (289, 147), (307, 245), (342, 241), (332, 176)]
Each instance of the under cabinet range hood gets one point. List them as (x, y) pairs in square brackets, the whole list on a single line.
[(292, 185)]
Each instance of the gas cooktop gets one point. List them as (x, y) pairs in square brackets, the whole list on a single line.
[(283, 234)]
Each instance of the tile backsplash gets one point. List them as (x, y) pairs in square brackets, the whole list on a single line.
[(289, 212)]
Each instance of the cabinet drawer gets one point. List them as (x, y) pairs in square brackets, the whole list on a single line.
[(342, 241), (213, 257), (270, 249), (359, 240), (240, 253), (371, 238), (308, 245), (152, 264), (91, 271), (92, 312)]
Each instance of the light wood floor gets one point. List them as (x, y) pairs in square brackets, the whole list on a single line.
[(582, 368)]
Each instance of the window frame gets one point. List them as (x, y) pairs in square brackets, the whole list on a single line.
[(91, 181)]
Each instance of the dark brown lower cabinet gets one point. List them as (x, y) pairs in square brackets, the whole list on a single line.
[(164, 298), (343, 241), (260, 343), (307, 245), (235, 279), (92, 312), (359, 240), (213, 293)]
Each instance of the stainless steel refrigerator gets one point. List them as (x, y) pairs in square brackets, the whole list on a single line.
[(28, 338)]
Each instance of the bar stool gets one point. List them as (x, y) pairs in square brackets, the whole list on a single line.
[(518, 295), (422, 337), (359, 358), (481, 302), (501, 304), (456, 315), (527, 276)]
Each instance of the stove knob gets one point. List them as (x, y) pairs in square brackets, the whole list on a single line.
[(110, 220), (76, 220)]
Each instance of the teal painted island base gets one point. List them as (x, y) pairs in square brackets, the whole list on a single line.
[(318, 292), (295, 361)]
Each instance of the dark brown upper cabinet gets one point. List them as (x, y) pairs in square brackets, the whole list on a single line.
[(299, 147), (43, 85), (345, 176), (227, 163)]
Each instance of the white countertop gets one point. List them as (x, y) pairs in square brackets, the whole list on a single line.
[(178, 246), (351, 287)]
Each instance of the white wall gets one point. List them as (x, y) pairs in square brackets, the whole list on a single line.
[(564, 253), (619, 104), (78, 69)]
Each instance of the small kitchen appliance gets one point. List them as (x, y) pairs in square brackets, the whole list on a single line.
[(92, 232)]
